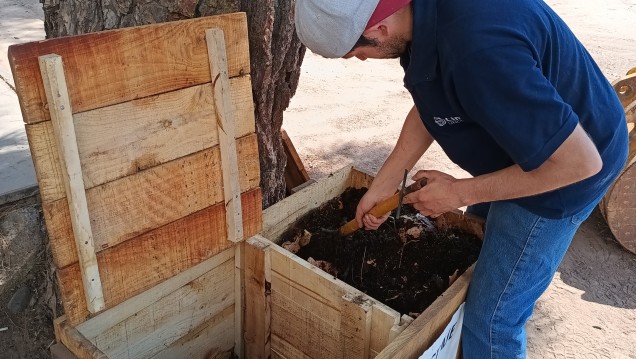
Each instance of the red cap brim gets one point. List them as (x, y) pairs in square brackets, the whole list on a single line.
[(385, 9)]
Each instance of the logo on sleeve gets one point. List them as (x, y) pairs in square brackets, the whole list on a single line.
[(442, 121)]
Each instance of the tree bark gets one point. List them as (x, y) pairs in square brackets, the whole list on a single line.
[(275, 53)]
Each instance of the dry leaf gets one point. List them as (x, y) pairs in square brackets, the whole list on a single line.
[(293, 247)]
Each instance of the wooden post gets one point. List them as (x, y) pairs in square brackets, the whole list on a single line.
[(59, 104), (258, 290), (224, 119), (355, 326)]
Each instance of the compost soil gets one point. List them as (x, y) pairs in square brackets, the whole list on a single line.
[(405, 264)]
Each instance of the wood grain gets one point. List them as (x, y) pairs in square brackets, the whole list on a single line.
[(126, 138), (355, 325), (139, 264), (125, 208), (110, 67)]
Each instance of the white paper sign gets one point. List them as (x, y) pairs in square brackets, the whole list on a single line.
[(446, 346)]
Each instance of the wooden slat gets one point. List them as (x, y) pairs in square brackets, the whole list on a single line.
[(224, 113), (109, 318), (278, 217), (109, 67), (295, 173), (139, 264), (258, 301), (239, 298), (304, 330), (125, 208), (211, 340), (281, 349), (77, 343), (383, 321), (159, 324), (423, 331), (122, 139), (60, 351), (52, 71), (356, 325)]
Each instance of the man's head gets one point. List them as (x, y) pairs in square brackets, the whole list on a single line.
[(361, 28)]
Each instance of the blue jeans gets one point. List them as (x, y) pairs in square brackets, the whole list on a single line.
[(519, 256)]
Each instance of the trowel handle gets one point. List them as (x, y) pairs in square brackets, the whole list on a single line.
[(383, 207), (380, 209)]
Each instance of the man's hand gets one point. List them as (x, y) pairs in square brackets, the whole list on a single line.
[(437, 197), (367, 220)]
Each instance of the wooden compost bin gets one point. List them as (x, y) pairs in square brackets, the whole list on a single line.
[(133, 133), (299, 311)]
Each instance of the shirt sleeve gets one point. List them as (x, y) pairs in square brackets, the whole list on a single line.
[(504, 90)]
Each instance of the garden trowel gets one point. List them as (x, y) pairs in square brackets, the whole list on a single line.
[(383, 207)]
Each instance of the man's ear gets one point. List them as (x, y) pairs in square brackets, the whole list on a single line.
[(377, 31)]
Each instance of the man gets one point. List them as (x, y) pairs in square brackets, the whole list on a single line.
[(513, 98)]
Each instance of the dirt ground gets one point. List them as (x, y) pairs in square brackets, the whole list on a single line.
[(348, 111)]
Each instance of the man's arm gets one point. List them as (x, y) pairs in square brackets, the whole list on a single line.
[(413, 141), (576, 159)]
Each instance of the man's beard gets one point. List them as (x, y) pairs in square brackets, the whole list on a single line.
[(393, 48)]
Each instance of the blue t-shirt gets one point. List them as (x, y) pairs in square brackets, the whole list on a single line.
[(503, 82)]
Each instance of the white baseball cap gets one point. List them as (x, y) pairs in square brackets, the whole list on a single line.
[(331, 28)]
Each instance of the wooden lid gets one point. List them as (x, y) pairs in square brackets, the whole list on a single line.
[(144, 115)]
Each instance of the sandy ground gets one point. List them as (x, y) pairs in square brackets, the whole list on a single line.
[(351, 112), (348, 111)]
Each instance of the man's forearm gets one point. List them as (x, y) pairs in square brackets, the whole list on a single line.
[(575, 160), (414, 140)]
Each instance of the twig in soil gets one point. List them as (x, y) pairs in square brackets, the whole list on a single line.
[(402, 251), (362, 266), (3, 329)]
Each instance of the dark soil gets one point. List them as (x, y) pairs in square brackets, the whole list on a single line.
[(403, 264), (28, 334)]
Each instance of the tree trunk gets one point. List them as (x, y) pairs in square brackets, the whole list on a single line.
[(275, 53)]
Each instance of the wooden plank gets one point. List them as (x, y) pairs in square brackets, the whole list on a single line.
[(60, 351), (285, 350), (359, 179), (109, 67), (355, 325), (423, 331), (123, 139), (278, 217), (160, 324), (304, 330), (224, 113), (211, 340), (296, 278), (383, 321), (109, 318), (52, 71), (77, 343), (239, 299), (133, 205), (295, 173), (139, 264), (258, 301)]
